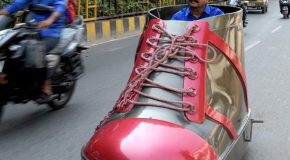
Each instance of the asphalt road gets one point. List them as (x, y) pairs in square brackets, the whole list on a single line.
[(32, 132)]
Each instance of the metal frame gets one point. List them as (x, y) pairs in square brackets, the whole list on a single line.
[(84, 7), (88, 5)]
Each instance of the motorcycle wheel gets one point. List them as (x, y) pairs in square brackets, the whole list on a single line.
[(1, 111), (61, 100), (263, 10)]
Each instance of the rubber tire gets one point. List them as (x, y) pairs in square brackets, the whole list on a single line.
[(263, 10), (56, 104), (1, 111)]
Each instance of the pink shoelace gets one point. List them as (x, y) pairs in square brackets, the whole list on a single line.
[(173, 47)]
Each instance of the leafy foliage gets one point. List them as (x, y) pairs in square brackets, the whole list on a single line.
[(108, 8), (3, 3)]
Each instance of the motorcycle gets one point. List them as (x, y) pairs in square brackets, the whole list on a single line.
[(284, 7), (244, 6), (23, 63)]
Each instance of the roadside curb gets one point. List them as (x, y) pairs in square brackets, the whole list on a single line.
[(113, 28)]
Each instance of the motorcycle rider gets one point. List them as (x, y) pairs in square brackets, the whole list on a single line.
[(281, 5), (49, 25), (197, 9)]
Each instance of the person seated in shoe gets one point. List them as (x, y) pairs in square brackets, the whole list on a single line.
[(49, 25), (196, 9)]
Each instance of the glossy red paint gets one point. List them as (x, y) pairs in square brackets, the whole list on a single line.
[(198, 101), (147, 139)]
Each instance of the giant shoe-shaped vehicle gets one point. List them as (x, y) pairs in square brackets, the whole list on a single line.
[(186, 98)]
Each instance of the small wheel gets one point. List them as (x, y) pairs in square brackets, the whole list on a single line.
[(1, 111), (61, 100), (263, 10)]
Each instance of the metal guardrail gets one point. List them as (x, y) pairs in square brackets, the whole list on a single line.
[(88, 9), (106, 9)]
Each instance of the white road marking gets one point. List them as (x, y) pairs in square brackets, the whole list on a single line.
[(252, 45), (276, 29), (93, 45), (114, 49)]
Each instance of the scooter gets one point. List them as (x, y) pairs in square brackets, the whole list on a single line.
[(23, 64), (244, 6), (284, 7)]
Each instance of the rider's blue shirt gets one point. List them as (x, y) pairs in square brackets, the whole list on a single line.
[(59, 6), (185, 13)]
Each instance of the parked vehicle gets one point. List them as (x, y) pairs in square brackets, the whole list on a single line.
[(284, 8), (258, 5), (23, 63), (186, 98)]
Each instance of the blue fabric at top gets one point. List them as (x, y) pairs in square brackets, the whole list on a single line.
[(185, 13), (59, 6)]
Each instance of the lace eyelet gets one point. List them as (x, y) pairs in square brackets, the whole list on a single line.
[(196, 28), (193, 59), (191, 92), (191, 74), (146, 56), (139, 69), (191, 109)]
